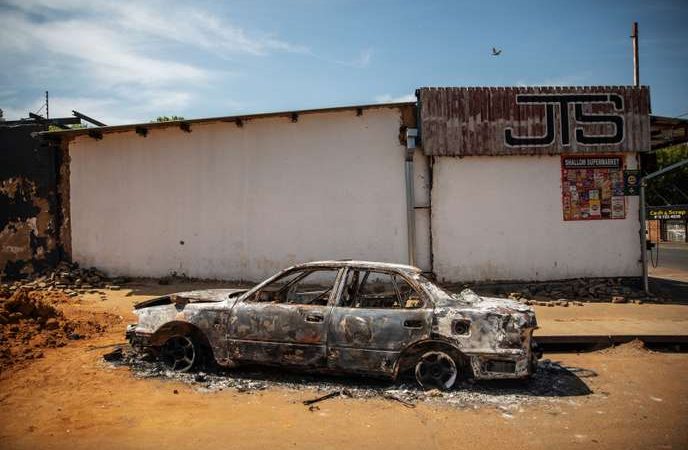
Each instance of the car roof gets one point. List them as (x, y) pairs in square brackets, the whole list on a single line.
[(362, 264)]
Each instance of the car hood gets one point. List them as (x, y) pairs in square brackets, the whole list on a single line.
[(200, 296), (470, 304), (500, 305)]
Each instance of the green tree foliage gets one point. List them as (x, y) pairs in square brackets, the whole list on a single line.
[(671, 188), (167, 118)]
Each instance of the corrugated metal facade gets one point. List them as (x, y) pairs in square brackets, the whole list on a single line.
[(534, 120)]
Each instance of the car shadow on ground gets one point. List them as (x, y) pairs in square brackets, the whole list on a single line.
[(551, 380)]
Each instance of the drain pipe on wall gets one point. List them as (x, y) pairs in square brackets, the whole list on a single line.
[(411, 134)]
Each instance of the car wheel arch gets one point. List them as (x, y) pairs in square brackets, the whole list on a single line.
[(181, 328), (410, 355)]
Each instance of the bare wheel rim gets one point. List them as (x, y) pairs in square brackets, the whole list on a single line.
[(179, 353), (436, 369)]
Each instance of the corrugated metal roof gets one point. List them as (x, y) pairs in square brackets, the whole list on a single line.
[(534, 120), (236, 119), (668, 131)]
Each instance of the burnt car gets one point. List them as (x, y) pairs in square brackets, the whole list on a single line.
[(356, 317)]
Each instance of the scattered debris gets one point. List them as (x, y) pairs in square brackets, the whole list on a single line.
[(588, 289), (406, 403), (327, 397), (551, 382), (67, 278), (174, 277), (115, 355)]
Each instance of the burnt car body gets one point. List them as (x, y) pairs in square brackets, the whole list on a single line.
[(346, 317)]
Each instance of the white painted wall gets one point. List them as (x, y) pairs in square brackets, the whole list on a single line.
[(247, 202), (500, 218), (250, 201)]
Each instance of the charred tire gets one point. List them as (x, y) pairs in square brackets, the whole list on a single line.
[(437, 369), (181, 353)]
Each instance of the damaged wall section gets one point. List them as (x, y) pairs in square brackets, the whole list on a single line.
[(28, 202)]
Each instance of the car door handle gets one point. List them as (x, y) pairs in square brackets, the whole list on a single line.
[(413, 323), (314, 318)]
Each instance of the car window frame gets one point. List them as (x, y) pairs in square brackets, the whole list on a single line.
[(427, 302), (287, 272)]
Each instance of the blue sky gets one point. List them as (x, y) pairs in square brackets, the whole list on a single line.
[(132, 61)]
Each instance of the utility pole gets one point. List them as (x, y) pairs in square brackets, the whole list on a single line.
[(636, 61), (47, 109)]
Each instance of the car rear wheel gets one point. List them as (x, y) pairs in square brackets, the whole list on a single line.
[(180, 353), (436, 369)]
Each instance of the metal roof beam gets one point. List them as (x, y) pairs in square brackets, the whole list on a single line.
[(88, 119)]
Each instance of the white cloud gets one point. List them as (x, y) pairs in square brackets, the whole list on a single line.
[(386, 98), (11, 113), (108, 58), (364, 58), (166, 21), (101, 109), (360, 62)]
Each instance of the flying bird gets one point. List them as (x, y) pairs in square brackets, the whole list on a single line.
[(496, 52)]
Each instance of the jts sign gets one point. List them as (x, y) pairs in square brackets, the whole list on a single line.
[(534, 120), (563, 102)]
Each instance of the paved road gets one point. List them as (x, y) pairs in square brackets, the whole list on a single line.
[(673, 262), (670, 277)]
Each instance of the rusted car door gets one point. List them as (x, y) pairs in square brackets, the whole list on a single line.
[(286, 321), (377, 315)]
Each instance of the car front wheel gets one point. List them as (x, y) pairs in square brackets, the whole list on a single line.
[(180, 353), (436, 369)]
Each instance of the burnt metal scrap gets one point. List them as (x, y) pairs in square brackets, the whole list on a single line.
[(550, 382), (344, 317), (327, 397)]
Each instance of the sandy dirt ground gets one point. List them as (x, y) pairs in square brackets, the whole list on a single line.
[(71, 398), (608, 318)]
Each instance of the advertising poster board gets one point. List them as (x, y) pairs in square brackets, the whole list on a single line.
[(592, 187)]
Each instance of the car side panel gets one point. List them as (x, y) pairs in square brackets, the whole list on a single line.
[(370, 340), (278, 333)]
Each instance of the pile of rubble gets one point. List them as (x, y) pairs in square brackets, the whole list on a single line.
[(31, 322), (550, 382), (566, 292), (67, 278)]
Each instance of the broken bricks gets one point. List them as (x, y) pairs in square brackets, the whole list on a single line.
[(66, 277)]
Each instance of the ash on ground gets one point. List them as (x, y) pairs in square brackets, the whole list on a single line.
[(552, 381)]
